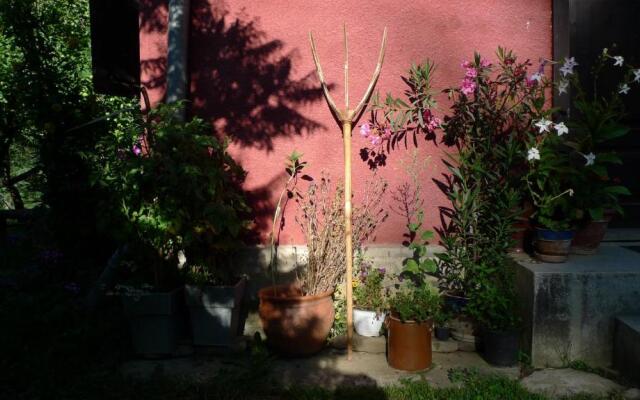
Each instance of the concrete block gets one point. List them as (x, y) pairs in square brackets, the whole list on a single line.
[(626, 347), (566, 382), (568, 309), (448, 346)]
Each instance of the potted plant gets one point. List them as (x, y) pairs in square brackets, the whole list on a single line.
[(410, 326), (212, 215), (151, 288), (442, 328), (596, 121), (493, 307), (179, 191), (298, 317), (548, 182), (370, 302)]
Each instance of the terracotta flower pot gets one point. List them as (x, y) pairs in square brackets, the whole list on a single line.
[(409, 344), (587, 239), (552, 246), (522, 229), (295, 325)]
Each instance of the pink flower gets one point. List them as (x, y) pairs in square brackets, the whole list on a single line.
[(434, 123), (471, 73), (466, 64), (375, 140), (387, 133), (136, 149), (485, 63), (365, 130), (468, 86)]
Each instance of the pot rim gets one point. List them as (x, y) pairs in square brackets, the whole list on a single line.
[(263, 294), (413, 322)]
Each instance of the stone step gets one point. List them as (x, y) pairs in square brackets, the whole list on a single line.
[(626, 347)]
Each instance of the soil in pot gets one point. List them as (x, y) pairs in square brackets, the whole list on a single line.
[(409, 344), (155, 322), (442, 333), (587, 239), (295, 325), (215, 313), (552, 246), (500, 348)]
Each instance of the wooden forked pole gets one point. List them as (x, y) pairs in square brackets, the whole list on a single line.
[(347, 118)]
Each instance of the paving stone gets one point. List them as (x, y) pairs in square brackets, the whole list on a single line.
[(330, 368), (447, 346), (631, 394), (557, 383), (376, 345)]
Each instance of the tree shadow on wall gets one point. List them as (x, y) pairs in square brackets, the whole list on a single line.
[(242, 82)]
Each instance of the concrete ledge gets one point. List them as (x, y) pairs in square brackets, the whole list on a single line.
[(626, 347), (569, 309)]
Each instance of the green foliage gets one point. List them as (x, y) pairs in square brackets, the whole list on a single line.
[(596, 122), (179, 189), (51, 120), (492, 119), (369, 293), (416, 303), (420, 264)]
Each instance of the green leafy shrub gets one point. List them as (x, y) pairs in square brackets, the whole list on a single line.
[(416, 303), (369, 293), (179, 191)]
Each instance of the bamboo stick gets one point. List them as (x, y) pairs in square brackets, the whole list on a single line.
[(348, 118)]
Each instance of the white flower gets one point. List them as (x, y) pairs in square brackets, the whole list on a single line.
[(591, 159), (563, 85), (636, 75), (537, 77), (561, 128), (568, 66), (619, 61), (543, 125), (571, 62), (624, 89), (533, 154)]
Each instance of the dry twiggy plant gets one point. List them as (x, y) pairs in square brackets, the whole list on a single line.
[(321, 218)]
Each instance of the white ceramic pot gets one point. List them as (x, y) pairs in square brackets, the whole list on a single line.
[(367, 323)]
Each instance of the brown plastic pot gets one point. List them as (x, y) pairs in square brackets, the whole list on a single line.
[(587, 239), (409, 344), (295, 325)]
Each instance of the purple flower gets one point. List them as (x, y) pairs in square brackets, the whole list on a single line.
[(72, 287), (382, 271), (365, 130), (136, 149)]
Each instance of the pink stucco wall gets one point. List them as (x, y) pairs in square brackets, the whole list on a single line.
[(445, 31)]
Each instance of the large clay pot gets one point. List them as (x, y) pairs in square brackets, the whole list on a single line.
[(295, 325), (552, 246), (587, 239), (409, 344)]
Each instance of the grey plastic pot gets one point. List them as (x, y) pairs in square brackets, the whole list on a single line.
[(215, 313), (154, 320)]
